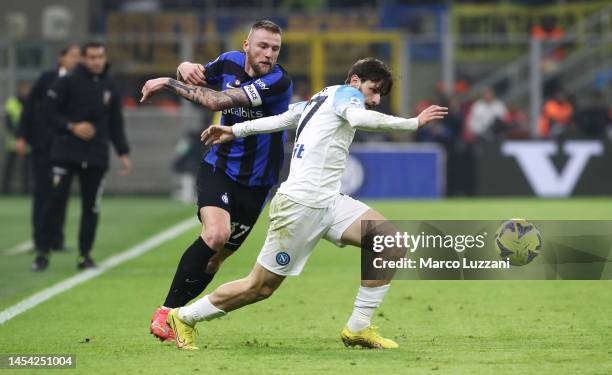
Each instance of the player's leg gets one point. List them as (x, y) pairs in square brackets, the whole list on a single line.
[(257, 286), (246, 206), (191, 276), (214, 211), (352, 235), (228, 213), (294, 231), (92, 186), (193, 273), (347, 230)]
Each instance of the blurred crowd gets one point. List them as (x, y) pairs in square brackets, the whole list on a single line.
[(469, 124), (488, 119)]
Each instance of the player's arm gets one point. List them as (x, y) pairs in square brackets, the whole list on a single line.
[(211, 99), (368, 120), (349, 103), (216, 134), (200, 75)]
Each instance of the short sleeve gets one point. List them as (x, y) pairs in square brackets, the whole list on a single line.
[(346, 97), (269, 88), (213, 71)]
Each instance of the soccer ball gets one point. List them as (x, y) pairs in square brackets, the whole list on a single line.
[(519, 241)]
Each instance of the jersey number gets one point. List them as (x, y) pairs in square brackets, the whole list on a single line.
[(238, 230), (318, 101)]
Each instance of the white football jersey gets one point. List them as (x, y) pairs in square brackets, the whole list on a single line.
[(323, 137)]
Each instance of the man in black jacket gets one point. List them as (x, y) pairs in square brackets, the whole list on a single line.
[(85, 110), (34, 129)]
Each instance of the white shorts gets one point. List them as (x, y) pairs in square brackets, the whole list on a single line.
[(295, 230)]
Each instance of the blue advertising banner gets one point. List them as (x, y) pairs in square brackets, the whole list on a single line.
[(405, 170)]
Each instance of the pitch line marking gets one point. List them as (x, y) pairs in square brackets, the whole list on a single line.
[(21, 248), (109, 263)]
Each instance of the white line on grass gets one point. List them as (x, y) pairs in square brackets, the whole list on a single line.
[(23, 247), (111, 262)]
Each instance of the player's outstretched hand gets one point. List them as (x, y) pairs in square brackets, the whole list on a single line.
[(431, 113), (152, 86), (191, 73), (216, 134)]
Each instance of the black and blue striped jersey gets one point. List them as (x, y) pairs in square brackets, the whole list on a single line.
[(255, 160)]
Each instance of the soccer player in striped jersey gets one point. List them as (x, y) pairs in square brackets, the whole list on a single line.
[(234, 178), (309, 205)]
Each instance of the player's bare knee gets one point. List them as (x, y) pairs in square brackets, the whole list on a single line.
[(216, 239)]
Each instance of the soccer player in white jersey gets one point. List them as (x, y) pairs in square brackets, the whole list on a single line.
[(309, 205)]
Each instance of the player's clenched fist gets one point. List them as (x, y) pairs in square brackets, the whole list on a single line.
[(191, 73), (431, 113), (216, 134), (83, 130)]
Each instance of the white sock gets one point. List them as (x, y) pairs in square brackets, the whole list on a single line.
[(368, 299), (200, 310)]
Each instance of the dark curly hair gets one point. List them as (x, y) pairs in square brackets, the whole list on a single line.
[(371, 69)]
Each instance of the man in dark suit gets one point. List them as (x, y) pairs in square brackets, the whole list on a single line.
[(84, 109), (34, 129)]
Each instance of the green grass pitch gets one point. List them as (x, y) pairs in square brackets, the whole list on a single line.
[(514, 327)]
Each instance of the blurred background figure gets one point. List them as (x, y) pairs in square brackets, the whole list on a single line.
[(189, 151), (486, 115), (501, 63), (84, 108), (557, 116), (459, 161), (517, 122), (593, 116), (35, 131), (13, 109), (188, 156)]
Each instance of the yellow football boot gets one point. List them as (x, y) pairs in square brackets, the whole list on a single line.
[(185, 334), (367, 338)]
